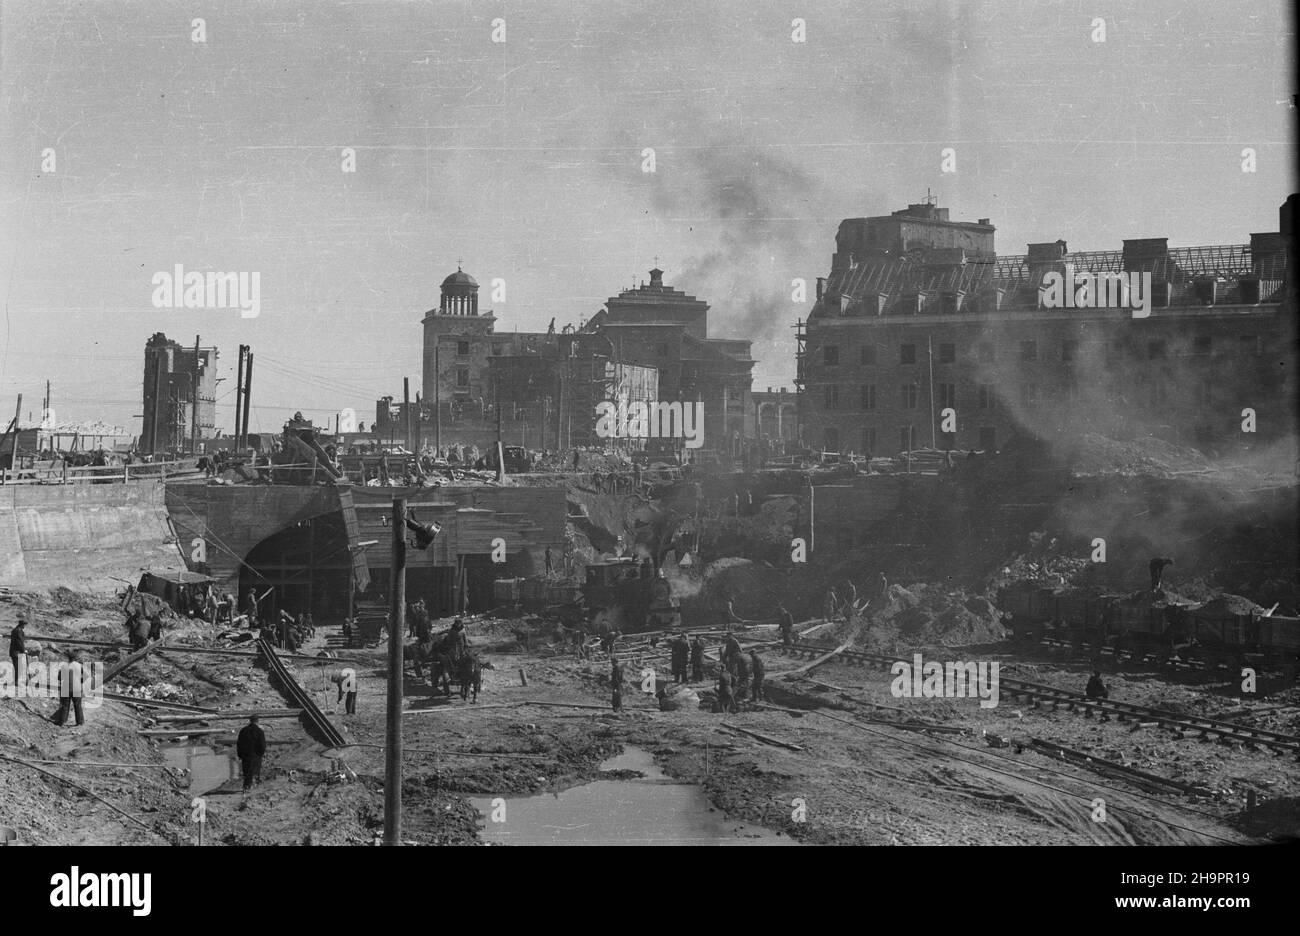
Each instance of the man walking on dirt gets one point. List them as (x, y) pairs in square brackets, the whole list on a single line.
[(1157, 567), (759, 669), (71, 680), (616, 683), (697, 659), (680, 654), (726, 701), (787, 626), (250, 747), (18, 655)]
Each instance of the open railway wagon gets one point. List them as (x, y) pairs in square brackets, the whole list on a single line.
[(1234, 631), (366, 626), (1137, 624), (1033, 612)]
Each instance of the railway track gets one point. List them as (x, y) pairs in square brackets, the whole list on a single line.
[(1163, 657), (1038, 694), (301, 697)]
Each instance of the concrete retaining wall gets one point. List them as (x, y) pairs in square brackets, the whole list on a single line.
[(83, 535)]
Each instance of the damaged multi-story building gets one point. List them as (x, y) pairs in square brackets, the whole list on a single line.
[(922, 336), (180, 395), (541, 389)]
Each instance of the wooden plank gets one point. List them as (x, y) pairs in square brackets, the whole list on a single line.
[(157, 703), (225, 716), (133, 658), (178, 732), (817, 662), (761, 737)]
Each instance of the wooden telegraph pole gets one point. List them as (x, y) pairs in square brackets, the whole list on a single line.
[(194, 402), (396, 631)]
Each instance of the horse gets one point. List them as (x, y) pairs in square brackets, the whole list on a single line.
[(440, 664)]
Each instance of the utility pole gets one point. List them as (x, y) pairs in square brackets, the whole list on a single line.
[(929, 340), (239, 393), (248, 391), (194, 402), (396, 631), (406, 409)]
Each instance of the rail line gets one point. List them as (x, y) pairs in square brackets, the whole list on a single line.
[(301, 697), (1039, 694)]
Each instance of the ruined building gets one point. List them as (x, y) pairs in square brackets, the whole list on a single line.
[(648, 344), (921, 336), (171, 387)]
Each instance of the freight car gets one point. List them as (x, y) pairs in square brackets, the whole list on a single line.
[(1228, 630)]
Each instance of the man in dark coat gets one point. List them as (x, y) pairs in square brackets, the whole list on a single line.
[(616, 683), (759, 670), (697, 659), (787, 626), (250, 747), (18, 654), (681, 652), (742, 677)]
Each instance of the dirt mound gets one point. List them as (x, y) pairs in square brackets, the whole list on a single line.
[(924, 614), (1098, 454), (1227, 605)]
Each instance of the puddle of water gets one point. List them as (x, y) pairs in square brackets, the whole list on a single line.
[(648, 811), (208, 768)]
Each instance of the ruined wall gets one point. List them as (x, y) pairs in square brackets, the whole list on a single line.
[(89, 536)]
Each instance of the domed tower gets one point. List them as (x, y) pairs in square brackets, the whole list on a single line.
[(456, 341), (459, 294)]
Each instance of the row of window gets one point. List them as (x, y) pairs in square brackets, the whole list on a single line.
[(1029, 350), (907, 440), (945, 394)]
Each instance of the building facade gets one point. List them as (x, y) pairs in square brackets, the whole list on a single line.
[(169, 395), (648, 344), (921, 337)]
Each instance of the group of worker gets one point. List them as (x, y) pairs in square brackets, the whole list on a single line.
[(73, 679), (740, 678)]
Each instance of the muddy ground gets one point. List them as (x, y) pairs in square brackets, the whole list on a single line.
[(851, 781)]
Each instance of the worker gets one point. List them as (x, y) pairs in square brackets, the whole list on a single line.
[(786, 625), (71, 680), (616, 682), (575, 459), (423, 628), (250, 746), (347, 683), (680, 654), (550, 565), (742, 677), (18, 655), (155, 626), (759, 670), (250, 608), (697, 659), (1157, 567), (1096, 688), (140, 628), (726, 702), (730, 651), (457, 641)]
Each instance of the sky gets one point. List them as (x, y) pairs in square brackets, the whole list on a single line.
[(524, 160)]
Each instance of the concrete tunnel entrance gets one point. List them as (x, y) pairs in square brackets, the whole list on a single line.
[(307, 566)]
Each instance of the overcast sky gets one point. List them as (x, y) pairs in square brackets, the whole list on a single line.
[(523, 158)]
